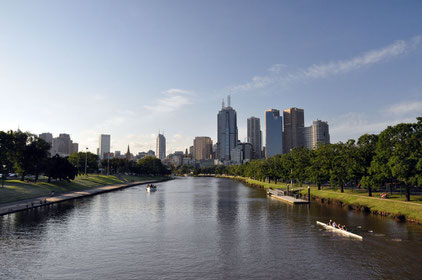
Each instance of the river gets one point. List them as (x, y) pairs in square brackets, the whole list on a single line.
[(202, 228)]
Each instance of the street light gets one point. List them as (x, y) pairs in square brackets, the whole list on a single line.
[(86, 158)]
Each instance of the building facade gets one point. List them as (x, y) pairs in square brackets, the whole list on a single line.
[(62, 145), (316, 134), (160, 150), (104, 146), (202, 148), (227, 133), (294, 122), (255, 136), (273, 133)]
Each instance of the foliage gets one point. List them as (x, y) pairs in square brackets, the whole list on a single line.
[(78, 160)]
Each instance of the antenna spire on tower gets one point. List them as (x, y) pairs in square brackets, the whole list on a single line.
[(222, 104), (228, 100)]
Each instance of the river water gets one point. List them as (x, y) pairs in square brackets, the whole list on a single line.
[(202, 228)]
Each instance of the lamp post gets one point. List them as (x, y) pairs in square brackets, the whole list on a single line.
[(2, 175), (108, 163), (86, 159)]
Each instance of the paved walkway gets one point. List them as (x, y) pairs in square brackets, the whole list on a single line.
[(21, 205)]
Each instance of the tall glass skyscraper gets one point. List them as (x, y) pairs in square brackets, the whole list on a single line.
[(255, 136), (226, 131), (273, 133), (104, 149), (294, 122)]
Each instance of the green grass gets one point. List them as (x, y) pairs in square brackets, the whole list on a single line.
[(16, 190), (389, 207), (395, 206)]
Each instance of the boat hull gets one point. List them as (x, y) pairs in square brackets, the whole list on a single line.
[(342, 232)]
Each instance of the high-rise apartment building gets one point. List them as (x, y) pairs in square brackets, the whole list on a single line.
[(294, 122), (104, 147), (316, 134), (255, 136), (227, 133), (48, 137), (160, 150), (202, 148), (273, 133)]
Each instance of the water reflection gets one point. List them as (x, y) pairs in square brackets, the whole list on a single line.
[(202, 228)]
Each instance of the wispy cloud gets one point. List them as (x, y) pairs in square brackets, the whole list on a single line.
[(171, 100), (405, 108), (177, 91), (318, 71), (352, 125)]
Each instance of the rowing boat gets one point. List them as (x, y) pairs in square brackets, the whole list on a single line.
[(347, 233)]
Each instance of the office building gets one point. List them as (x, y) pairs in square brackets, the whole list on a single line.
[(316, 134), (294, 122), (273, 133), (227, 133), (48, 137), (202, 148), (242, 153), (104, 147), (150, 153), (255, 136), (63, 145), (75, 148), (160, 150)]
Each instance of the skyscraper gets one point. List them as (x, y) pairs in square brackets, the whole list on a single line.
[(294, 122), (316, 134), (48, 137), (226, 131), (202, 148), (273, 133), (255, 136), (104, 147), (160, 150)]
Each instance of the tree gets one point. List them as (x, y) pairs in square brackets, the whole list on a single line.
[(367, 144), (338, 170), (6, 156), (60, 168), (300, 156), (320, 165), (78, 160), (405, 160)]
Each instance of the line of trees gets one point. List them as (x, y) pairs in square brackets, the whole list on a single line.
[(393, 156), (146, 166), (27, 154)]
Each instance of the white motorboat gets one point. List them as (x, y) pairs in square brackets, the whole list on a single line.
[(343, 232), (151, 188)]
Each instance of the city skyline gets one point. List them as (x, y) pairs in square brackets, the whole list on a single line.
[(113, 71)]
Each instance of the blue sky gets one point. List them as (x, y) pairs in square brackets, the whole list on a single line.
[(132, 68)]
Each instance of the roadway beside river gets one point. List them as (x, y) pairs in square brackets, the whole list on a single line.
[(398, 209), (17, 196)]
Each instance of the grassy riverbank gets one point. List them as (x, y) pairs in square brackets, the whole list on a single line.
[(15, 190), (357, 199)]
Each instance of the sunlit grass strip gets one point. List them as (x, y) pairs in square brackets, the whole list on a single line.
[(17, 190), (357, 199)]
